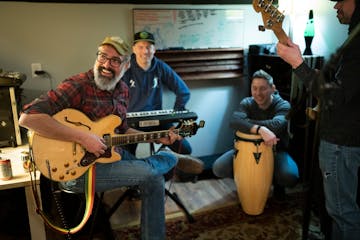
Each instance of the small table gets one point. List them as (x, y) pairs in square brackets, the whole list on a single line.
[(22, 179)]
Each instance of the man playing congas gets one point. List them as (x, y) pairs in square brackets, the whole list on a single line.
[(264, 115)]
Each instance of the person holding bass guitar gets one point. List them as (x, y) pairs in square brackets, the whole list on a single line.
[(338, 88)]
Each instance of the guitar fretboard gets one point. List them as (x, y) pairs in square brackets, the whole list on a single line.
[(137, 137)]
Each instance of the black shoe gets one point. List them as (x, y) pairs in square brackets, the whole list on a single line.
[(134, 193), (181, 176), (279, 193)]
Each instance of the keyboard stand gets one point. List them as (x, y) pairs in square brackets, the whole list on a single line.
[(130, 192), (133, 192)]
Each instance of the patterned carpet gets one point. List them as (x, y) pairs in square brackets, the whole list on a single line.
[(279, 221)]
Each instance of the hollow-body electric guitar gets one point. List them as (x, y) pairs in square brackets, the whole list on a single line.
[(63, 161)]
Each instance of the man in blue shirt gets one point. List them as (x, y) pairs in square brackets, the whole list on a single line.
[(147, 77)]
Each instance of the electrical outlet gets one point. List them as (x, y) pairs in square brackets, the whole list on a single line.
[(35, 67)]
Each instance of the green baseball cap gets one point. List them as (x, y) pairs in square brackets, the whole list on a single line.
[(120, 45)]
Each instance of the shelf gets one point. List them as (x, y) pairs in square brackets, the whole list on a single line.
[(205, 64)]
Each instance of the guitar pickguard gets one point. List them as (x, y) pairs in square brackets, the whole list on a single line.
[(90, 158)]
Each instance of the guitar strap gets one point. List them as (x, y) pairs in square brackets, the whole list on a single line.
[(89, 196)]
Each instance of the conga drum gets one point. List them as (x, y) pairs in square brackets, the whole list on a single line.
[(253, 172)]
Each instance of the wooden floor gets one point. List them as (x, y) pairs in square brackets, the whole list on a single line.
[(199, 196)]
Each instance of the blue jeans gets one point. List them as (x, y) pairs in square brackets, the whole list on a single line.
[(286, 173), (339, 166), (146, 173)]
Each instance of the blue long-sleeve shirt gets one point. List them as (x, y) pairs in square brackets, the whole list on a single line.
[(146, 87)]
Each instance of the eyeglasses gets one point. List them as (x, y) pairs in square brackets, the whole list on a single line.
[(114, 61)]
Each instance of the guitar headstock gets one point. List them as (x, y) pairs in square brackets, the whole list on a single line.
[(189, 128), (271, 16)]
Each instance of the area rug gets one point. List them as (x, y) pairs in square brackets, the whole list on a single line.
[(279, 221)]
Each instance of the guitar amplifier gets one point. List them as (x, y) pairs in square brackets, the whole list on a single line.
[(10, 79), (264, 57), (9, 125)]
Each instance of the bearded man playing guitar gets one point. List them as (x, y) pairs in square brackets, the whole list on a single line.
[(98, 93)]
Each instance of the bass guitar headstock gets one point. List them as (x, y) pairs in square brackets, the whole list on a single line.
[(272, 18)]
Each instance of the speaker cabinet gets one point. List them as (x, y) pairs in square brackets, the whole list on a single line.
[(263, 56), (9, 125)]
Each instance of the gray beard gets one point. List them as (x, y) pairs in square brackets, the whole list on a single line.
[(105, 83)]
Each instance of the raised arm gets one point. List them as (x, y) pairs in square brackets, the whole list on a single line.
[(290, 53)]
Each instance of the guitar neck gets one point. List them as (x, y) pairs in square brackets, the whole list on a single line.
[(281, 35), (125, 139)]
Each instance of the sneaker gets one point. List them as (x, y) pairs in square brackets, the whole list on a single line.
[(187, 163)]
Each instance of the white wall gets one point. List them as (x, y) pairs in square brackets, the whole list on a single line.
[(329, 34), (64, 39)]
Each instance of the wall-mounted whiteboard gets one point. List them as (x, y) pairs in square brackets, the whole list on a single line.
[(192, 28)]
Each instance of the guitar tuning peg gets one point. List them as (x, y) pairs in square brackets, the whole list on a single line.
[(261, 28)]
